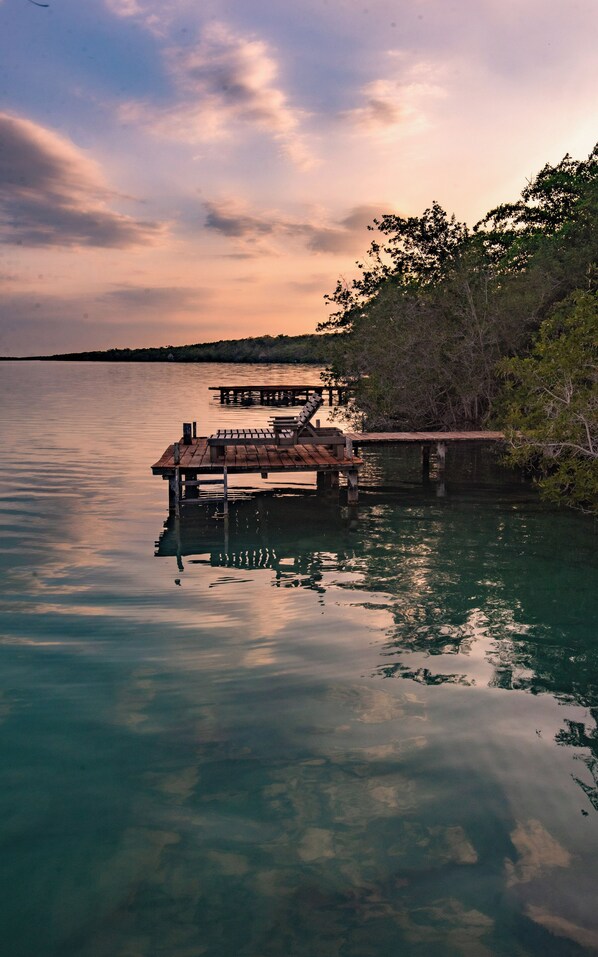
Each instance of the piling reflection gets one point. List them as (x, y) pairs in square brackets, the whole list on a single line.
[(289, 535)]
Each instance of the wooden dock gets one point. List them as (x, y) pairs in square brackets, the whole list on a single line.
[(421, 438), (248, 393), (429, 442), (188, 467)]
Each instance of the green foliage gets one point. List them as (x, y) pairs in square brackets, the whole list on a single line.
[(436, 309), (415, 252), (550, 403), (435, 306)]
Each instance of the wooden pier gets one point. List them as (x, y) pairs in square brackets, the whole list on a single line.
[(188, 467), (247, 394), (421, 438), (430, 442)]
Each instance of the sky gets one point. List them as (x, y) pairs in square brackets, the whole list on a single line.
[(179, 171)]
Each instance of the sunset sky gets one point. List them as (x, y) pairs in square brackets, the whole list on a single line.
[(177, 171)]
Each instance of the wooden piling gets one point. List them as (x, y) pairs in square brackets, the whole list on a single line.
[(441, 457), (425, 461), (191, 491), (352, 486)]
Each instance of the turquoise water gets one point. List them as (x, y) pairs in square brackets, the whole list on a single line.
[(312, 733)]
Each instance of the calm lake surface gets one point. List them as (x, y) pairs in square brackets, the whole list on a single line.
[(312, 735)]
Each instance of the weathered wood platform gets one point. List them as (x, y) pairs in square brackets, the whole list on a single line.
[(253, 458), (278, 394), (392, 438), (182, 462)]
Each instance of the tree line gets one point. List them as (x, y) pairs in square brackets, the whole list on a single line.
[(308, 348), (447, 327)]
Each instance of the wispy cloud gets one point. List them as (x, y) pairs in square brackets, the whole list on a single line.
[(149, 298), (234, 220), (397, 103), (224, 83), (52, 194)]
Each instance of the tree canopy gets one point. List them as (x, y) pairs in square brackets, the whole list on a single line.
[(436, 307), (550, 403)]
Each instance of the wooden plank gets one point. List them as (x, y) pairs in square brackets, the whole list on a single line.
[(381, 438)]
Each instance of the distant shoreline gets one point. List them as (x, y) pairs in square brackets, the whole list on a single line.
[(306, 349)]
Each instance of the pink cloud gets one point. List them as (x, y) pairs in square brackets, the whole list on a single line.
[(52, 194)]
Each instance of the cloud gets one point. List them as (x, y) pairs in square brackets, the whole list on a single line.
[(229, 219), (125, 8), (148, 298), (397, 103), (155, 17), (232, 219), (224, 83), (52, 194)]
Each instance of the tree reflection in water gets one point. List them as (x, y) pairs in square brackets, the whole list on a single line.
[(475, 584)]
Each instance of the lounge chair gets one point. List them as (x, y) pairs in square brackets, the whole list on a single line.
[(285, 431)]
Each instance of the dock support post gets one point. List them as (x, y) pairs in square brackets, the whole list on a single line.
[(171, 494), (425, 462), (225, 492), (177, 491), (325, 481), (352, 487), (191, 491), (441, 457)]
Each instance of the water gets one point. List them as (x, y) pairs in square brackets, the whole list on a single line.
[(311, 736)]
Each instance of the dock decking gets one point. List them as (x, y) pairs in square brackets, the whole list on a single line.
[(279, 394), (195, 457), (421, 438)]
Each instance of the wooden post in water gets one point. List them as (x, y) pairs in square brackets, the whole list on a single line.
[(225, 493), (171, 494), (352, 487), (177, 491), (192, 491), (187, 427), (441, 457), (425, 462)]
